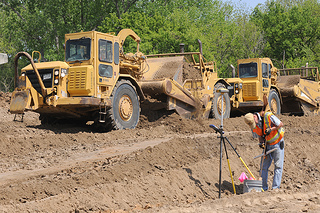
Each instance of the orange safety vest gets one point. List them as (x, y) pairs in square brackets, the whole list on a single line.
[(275, 136)]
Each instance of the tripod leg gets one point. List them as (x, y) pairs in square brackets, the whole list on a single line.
[(241, 159), (220, 167), (225, 148)]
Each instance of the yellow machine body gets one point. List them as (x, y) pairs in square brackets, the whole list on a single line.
[(292, 91), (300, 90), (99, 82)]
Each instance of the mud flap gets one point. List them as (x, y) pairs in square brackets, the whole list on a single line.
[(19, 101)]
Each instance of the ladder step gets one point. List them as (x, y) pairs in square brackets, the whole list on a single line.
[(103, 113)]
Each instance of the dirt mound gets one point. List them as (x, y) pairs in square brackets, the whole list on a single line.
[(288, 80), (189, 72), (4, 99), (168, 70), (174, 68), (166, 164)]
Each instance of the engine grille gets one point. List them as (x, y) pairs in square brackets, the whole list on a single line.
[(249, 90), (77, 80), (34, 80)]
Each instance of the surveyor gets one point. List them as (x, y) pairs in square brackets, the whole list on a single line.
[(270, 132)]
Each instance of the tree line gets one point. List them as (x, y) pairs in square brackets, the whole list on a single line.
[(287, 31)]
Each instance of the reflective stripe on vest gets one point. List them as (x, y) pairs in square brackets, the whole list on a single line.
[(276, 135)]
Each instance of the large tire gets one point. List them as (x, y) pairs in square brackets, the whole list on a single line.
[(274, 102), (217, 106), (125, 110)]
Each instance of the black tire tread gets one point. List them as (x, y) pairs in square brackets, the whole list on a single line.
[(110, 123), (273, 91)]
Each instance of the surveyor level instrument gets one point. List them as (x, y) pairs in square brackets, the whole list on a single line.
[(222, 143)]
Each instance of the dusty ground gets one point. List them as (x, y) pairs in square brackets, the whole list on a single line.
[(167, 165)]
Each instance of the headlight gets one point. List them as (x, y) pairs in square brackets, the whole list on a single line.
[(236, 85), (64, 72), (237, 91), (56, 72), (56, 81), (240, 85)]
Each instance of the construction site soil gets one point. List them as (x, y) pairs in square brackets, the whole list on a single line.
[(166, 164)]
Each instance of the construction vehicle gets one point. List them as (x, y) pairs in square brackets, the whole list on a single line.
[(300, 90), (290, 91), (258, 76), (98, 82)]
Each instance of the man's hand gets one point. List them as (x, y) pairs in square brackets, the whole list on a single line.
[(268, 131), (261, 145)]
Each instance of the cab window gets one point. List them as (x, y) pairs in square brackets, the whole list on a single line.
[(116, 53), (248, 70), (105, 70), (78, 49), (105, 51), (265, 70), (269, 68)]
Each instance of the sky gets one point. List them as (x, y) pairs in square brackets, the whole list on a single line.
[(250, 3), (253, 3)]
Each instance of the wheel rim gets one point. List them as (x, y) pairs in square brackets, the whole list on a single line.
[(125, 108), (220, 105), (274, 106)]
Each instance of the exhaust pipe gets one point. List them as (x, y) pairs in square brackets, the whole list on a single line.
[(200, 46), (16, 73), (182, 47), (233, 71)]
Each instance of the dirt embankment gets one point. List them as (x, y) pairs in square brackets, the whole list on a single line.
[(168, 164)]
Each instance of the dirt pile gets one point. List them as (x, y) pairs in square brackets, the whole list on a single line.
[(189, 72), (167, 164), (177, 69), (4, 99)]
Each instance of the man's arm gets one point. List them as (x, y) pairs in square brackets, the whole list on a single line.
[(277, 123)]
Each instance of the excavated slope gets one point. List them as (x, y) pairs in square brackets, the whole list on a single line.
[(167, 164)]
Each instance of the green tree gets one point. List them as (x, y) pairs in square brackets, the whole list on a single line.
[(28, 25), (6, 46), (291, 30), (163, 25), (41, 25)]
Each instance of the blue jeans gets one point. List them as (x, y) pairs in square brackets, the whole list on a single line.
[(278, 157)]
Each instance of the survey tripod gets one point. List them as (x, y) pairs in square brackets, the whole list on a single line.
[(223, 143)]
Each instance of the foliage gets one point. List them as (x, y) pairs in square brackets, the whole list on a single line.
[(291, 31), (279, 29), (220, 28)]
